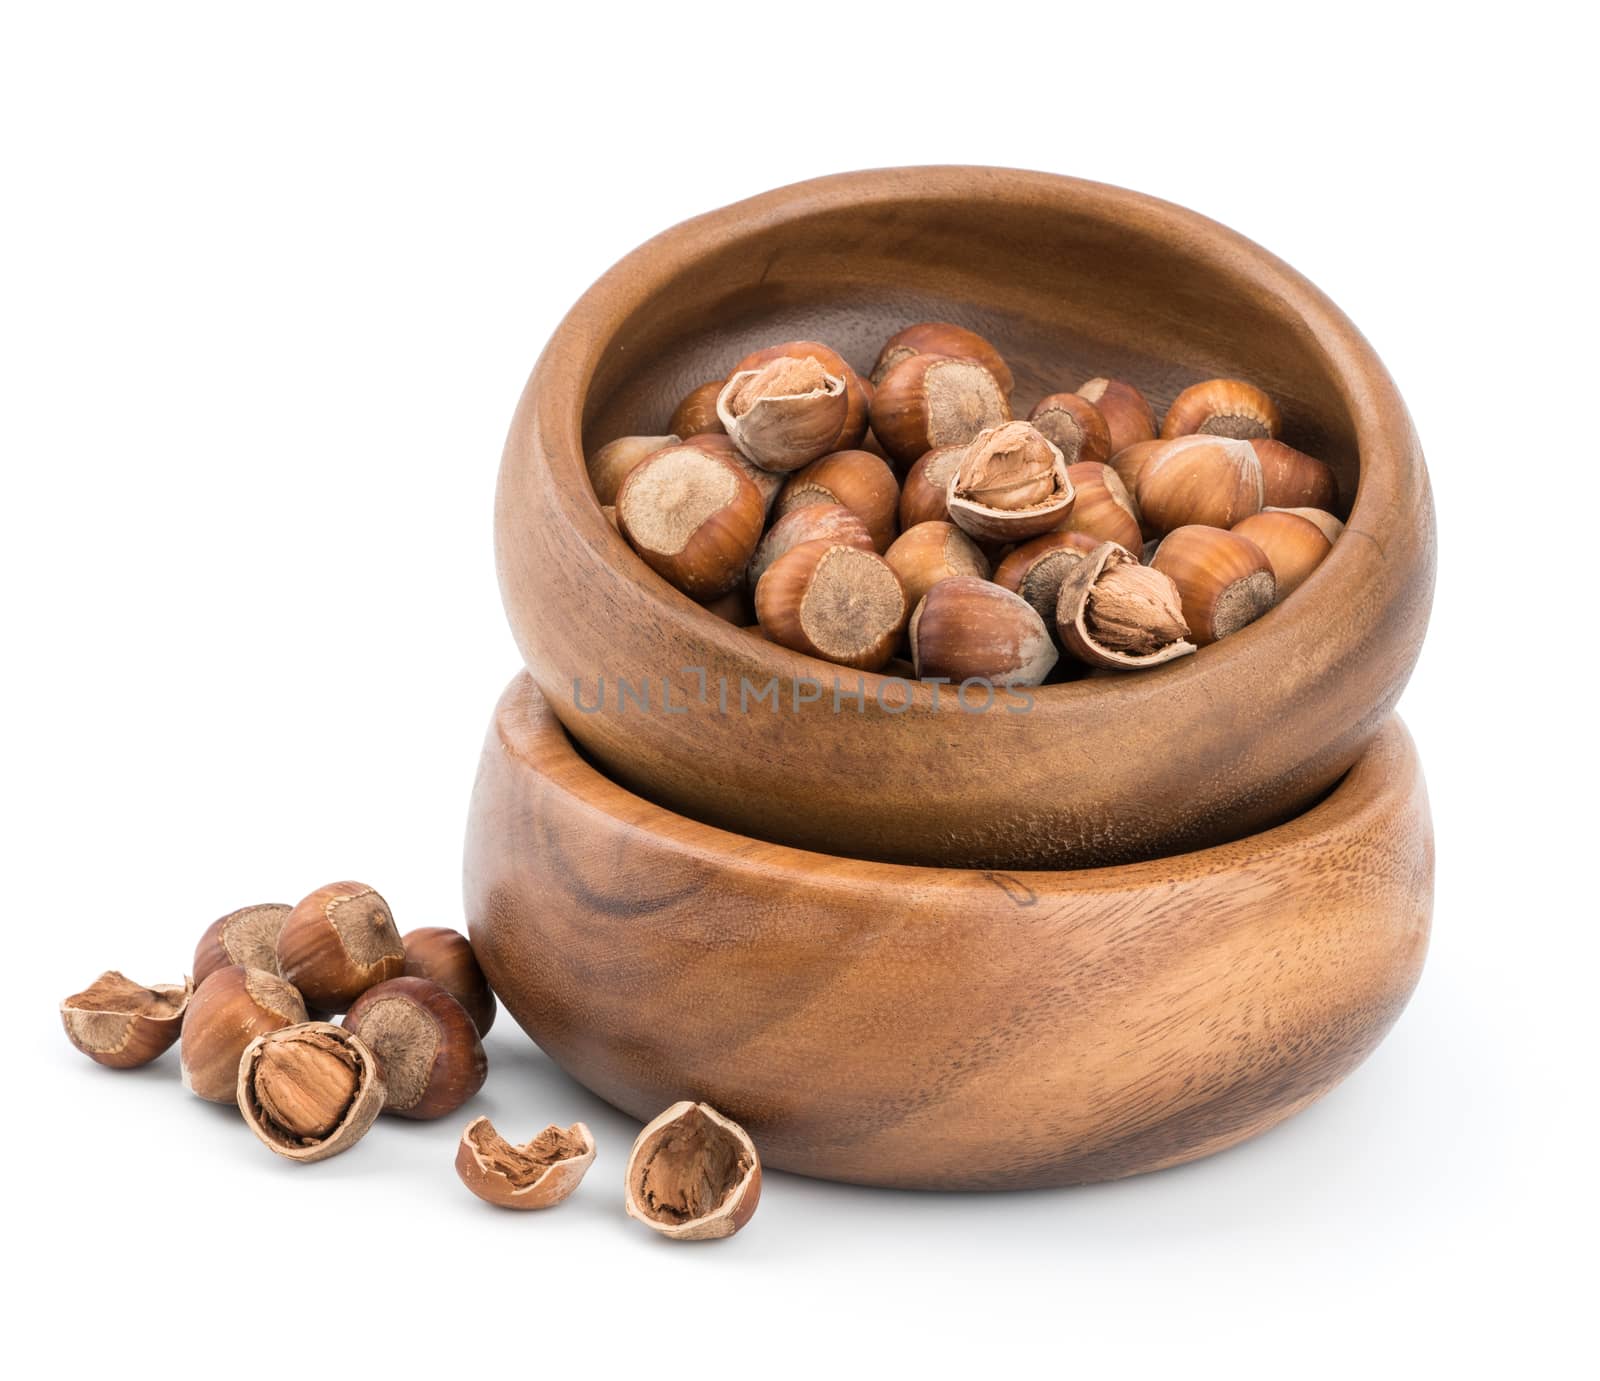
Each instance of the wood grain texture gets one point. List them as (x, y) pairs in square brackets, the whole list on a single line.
[(944, 1028), (1070, 279)]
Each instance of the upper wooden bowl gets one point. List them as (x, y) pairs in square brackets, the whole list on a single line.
[(942, 1028), (1070, 279)]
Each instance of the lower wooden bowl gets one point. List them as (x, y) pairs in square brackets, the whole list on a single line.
[(945, 1028)]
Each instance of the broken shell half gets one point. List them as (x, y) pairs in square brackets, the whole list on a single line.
[(784, 414), (536, 1174), (1113, 612), (309, 1091), (693, 1175), (1011, 484), (122, 1024)]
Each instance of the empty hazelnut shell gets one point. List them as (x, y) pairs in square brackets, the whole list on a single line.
[(248, 936), (693, 1175), (309, 1091), (1113, 612), (122, 1024), (228, 1011), (429, 1052), (537, 1174), (1221, 407), (337, 943), (445, 957), (928, 401), (942, 338)]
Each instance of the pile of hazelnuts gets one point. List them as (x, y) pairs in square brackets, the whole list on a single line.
[(252, 1029), (906, 514)]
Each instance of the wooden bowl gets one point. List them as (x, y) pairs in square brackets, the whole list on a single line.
[(942, 1028), (1070, 279)]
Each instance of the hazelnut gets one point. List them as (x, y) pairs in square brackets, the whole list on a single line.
[(1129, 464), (693, 1175), (610, 465), (248, 936), (924, 495), (931, 552), (928, 401), (1011, 484), (309, 1091), (834, 601), (815, 522), (1221, 407), (1330, 527), (337, 943), (122, 1025), (1036, 569), (1225, 581), (970, 629), (693, 515), (859, 480), (1129, 417), (229, 1010), (1103, 509), (445, 957), (784, 413), (537, 1174), (1294, 545), (1212, 481), (696, 415), (1075, 425), (942, 338), (855, 417), (429, 1052), (1113, 612), (1292, 479)]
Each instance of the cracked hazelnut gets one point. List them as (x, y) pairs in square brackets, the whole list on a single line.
[(816, 522), (1221, 407), (1010, 484), (924, 496), (1210, 481), (337, 943), (429, 1052), (537, 1174), (942, 338), (1128, 415), (833, 601), (309, 1091), (854, 427), (859, 480), (970, 629), (784, 413), (121, 1024), (928, 401), (1292, 479), (1224, 581), (1294, 545), (611, 464), (1113, 612), (228, 1011), (248, 936), (1103, 508), (931, 552), (445, 957), (693, 1175), (696, 415), (1075, 425), (1036, 569)]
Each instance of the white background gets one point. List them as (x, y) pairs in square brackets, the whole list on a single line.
[(273, 278)]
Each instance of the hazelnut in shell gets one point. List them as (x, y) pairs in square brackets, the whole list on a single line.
[(1205, 480), (1075, 425), (1113, 612), (834, 601), (537, 1174), (1221, 407), (1036, 569), (815, 522), (1294, 545), (1128, 464), (1224, 580), (429, 1052), (783, 414), (445, 957), (697, 413), (1128, 415), (309, 1091), (337, 943), (228, 1011), (942, 338), (693, 1175), (859, 480), (1010, 484), (1103, 509), (928, 401), (122, 1024), (930, 552), (924, 496), (248, 936), (1332, 528), (610, 465), (854, 427), (1292, 479), (970, 629)]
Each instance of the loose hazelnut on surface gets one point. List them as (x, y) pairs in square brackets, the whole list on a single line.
[(1113, 612), (228, 1011), (1010, 484), (785, 413), (1221, 407), (248, 936), (1075, 425), (1294, 545), (610, 465), (122, 1024), (928, 401), (1292, 479), (1225, 581), (855, 418), (693, 1175), (445, 957), (931, 552), (1036, 569), (309, 1091), (429, 1052), (536, 1174), (1128, 414), (1103, 509), (1212, 481), (942, 338), (697, 413), (924, 497), (834, 601), (816, 522), (1330, 527), (966, 628), (859, 480), (694, 516), (337, 943)]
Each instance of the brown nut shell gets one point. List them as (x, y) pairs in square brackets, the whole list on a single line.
[(1330, 527), (445, 957), (833, 601), (1129, 466), (309, 1091), (1225, 580), (942, 338), (929, 401), (859, 480), (783, 414), (248, 936), (1129, 417), (693, 1175), (1113, 612), (1292, 479), (1294, 545), (228, 1011), (1204, 480), (614, 461), (122, 1024), (1075, 425), (1011, 484), (931, 552), (924, 494), (1103, 509), (429, 1052), (854, 427), (1036, 569), (816, 522), (968, 629), (696, 414), (337, 943), (538, 1174), (1222, 407), (694, 516)]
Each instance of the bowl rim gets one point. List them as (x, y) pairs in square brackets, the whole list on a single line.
[(1392, 479)]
